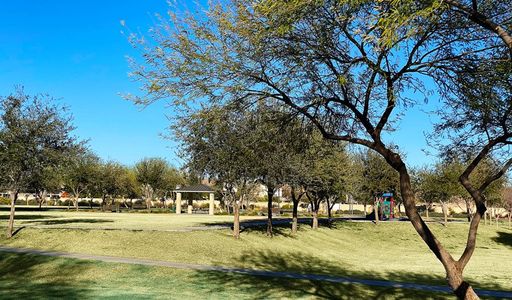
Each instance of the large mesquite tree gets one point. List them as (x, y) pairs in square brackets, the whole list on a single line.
[(349, 67)]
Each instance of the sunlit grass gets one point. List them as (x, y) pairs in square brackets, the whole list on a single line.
[(391, 251), (122, 221), (37, 277)]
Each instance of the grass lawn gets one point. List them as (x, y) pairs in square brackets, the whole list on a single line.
[(391, 251), (36, 277), (99, 220)]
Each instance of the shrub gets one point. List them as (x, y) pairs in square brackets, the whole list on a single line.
[(262, 199), (287, 206), (66, 202)]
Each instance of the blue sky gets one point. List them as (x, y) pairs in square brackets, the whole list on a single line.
[(74, 51)]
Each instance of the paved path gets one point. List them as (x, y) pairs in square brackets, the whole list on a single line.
[(289, 275)]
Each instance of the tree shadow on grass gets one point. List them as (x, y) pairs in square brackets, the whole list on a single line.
[(283, 286), (503, 238), (25, 217), (71, 221), (280, 226), (24, 276)]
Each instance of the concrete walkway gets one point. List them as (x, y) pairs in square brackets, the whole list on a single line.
[(252, 272)]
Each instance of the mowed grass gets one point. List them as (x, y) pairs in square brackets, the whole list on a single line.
[(390, 251), (37, 277), (117, 221)]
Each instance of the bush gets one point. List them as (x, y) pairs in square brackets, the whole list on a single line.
[(287, 206), (222, 213), (67, 202), (262, 199), (202, 205), (252, 213), (5, 201), (347, 212)]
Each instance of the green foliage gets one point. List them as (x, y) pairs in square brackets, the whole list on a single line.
[(155, 177), (35, 136), (81, 172), (372, 175)]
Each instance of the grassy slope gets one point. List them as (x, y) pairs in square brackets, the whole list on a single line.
[(389, 251), (35, 277), (98, 220)]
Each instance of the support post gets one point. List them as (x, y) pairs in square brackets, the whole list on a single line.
[(190, 207), (178, 203), (212, 204)]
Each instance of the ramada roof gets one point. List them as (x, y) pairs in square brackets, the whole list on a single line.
[(195, 188)]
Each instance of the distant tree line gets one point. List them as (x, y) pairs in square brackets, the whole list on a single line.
[(238, 149), (39, 154)]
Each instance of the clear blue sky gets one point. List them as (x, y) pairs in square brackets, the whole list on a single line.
[(74, 51)]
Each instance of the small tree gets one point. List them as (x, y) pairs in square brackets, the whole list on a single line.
[(80, 173), (108, 182), (376, 177), (34, 132), (129, 186), (220, 144), (46, 180), (325, 173), (507, 203), (151, 175)]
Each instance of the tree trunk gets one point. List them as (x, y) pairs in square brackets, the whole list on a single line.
[(76, 203), (329, 216), (376, 211), (295, 219), (364, 205), (453, 268), (236, 222), (103, 197), (426, 211), (10, 224), (270, 195), (510, 219), (468, 210), (315, 218), (42, 198), (445, 213)]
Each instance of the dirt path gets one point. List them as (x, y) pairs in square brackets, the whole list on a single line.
[(252, 272)]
